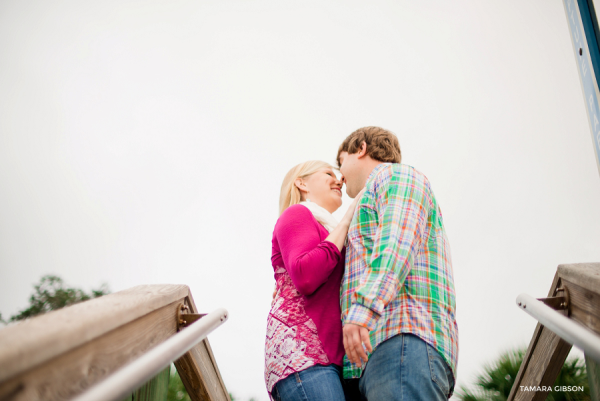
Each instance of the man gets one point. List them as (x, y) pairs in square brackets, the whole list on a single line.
[(398, 298)]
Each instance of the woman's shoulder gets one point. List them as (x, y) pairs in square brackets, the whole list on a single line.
[(295, 215), (293, 212)]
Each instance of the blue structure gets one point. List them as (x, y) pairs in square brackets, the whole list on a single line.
[(585, 36)]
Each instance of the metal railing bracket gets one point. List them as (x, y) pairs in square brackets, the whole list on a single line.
[(558, 302), (184, 318)]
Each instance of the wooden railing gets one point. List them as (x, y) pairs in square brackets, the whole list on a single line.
[(575, 293), (59, 355)]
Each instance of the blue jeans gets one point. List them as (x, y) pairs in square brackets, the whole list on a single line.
[(313, 384), (406, 368)]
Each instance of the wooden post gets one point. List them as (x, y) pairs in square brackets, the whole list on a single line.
[(547, 352), (542, 362), (199, 371)]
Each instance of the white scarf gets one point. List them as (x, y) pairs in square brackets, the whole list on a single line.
[(322, 215)]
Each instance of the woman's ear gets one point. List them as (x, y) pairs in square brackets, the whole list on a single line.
[(301, 185)]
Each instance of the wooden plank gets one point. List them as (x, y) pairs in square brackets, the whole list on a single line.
[(586, 275), (545, 365), (593, 373), (217, 379), (539, 366), (199, 371), (32, 342), (156, 389), (198, 375), (585, 306), (69, 374)]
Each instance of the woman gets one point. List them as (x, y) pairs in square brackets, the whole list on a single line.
[(304, 348)]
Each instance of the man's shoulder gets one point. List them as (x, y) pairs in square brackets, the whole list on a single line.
[(397, 172), (394, 178)]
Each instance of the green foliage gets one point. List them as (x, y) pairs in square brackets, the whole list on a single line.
[(573, 373), (177, 391), (52, 294), (497, 379)]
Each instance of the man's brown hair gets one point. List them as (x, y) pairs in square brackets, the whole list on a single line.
[(382, 145)]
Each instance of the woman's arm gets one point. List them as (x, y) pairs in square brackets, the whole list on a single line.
[(308, 260)]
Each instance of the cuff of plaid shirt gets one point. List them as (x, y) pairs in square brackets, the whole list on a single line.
[(362, 316)]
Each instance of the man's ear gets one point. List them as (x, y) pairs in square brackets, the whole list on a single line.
[(363, 150)]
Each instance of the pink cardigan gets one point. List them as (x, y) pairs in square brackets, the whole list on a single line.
[(304, 326)]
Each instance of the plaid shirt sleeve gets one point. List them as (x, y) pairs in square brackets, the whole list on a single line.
[(399, 207)]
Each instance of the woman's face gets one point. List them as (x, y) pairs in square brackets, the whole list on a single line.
[(324, 189)]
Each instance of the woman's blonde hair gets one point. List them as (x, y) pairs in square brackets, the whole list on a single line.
[(290, 194)]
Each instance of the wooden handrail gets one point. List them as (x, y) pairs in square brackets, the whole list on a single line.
[(58, 355)]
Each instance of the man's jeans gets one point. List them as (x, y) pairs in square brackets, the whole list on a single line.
[(317, 383), (406, 368)]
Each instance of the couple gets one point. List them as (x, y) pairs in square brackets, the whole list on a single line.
[(393, 334)]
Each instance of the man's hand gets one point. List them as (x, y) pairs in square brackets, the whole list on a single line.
[(354, 338)]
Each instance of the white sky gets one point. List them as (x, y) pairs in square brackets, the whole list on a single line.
[(145, 142)]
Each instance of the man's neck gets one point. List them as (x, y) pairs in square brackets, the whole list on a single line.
[(372, 165)]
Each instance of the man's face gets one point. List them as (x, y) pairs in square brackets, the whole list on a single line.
[(350, 169)]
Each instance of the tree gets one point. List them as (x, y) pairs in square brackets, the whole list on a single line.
[(497, 379), (52, 294)]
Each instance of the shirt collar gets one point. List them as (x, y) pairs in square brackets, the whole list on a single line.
[(376, 171)]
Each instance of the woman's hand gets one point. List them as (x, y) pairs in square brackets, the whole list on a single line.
[(347, 219), (338, 235)]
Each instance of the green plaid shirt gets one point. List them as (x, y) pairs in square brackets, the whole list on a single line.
[(398, 276)]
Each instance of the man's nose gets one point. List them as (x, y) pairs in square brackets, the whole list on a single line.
[(343, 179)]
